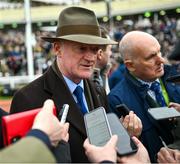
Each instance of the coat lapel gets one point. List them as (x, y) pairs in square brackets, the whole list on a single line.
[(62, 95)]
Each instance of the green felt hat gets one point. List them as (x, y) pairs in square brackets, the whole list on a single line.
[(79, 25)]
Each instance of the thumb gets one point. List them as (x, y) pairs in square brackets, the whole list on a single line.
[(113, 141), (86, 143), (137, 142), (48, 106)]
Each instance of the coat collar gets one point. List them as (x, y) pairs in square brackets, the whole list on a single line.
[(57, 87)]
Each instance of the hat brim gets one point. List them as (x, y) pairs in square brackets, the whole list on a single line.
[(81, 38)]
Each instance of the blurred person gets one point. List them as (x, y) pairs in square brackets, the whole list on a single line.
[(102, 67), (67, 81), (38, 144), (117, 75), (108, 154), (144, 87), (115, 62), (174, 57)]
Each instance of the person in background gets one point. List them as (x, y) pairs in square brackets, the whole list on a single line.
[(174, 57), (37, 145), (117, 75), (144, 86), (102, 67)]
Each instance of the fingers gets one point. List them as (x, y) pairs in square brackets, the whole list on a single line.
[(176, 154), (48, 105), (131, 121), (65, 134), (175, 105), (138, 127), (133, 124), (86, 143), (113, 141), (137, 142), (164, 156), (126, 121)]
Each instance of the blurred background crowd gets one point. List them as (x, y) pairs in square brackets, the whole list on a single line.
[(164, 25), (117, 16), (12, 43)]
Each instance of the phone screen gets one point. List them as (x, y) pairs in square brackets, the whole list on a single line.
[(125, 145), (97, 127)]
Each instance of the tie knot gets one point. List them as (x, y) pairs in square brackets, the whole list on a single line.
[(78, 91), (155, 86)]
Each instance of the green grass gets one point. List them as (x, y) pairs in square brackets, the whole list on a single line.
[(5, 97)]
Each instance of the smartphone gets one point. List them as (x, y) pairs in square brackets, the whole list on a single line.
[(174, 79), (122, 109), (162, 113), (97, 127), (63, 113), (125, 145)]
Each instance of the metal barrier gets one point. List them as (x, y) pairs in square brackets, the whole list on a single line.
[(13, 80)]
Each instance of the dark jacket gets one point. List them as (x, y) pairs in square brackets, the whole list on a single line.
[(52, 86), (116, 76), (132, 93)]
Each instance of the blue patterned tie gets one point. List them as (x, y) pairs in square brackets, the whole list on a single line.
[(155, 86), (78, 92)]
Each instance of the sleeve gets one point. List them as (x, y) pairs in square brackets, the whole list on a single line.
[(41, 136), (27, 150)]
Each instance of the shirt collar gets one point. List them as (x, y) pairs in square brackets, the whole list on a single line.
[(72, 86), (147, 83)]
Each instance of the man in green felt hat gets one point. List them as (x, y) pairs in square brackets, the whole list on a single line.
[(67, 81)]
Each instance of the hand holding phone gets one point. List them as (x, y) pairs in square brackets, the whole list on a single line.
[(125, 145)]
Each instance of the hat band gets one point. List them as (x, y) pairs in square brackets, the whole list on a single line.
[(78, 29)]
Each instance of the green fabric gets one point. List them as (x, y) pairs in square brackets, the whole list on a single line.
[(28, 149), (164, 92)]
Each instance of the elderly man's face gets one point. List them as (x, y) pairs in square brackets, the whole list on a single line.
[(75, 60), (147, 62)]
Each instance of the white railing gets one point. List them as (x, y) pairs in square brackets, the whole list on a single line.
[(13, 80)]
